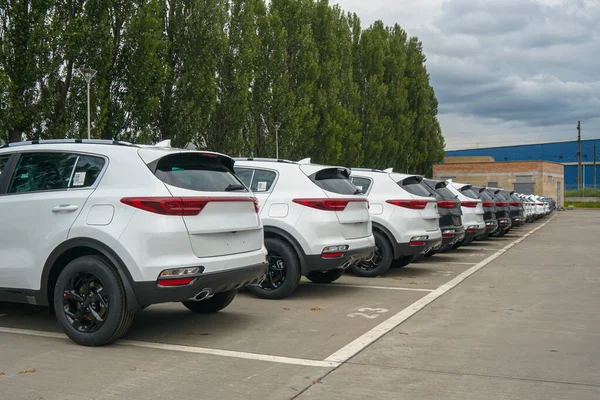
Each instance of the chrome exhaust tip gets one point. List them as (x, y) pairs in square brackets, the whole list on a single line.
[(203, 295)]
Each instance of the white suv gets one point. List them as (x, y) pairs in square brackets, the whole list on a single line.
[(472, 210), (102, 229), (316, 222), (404, 224)]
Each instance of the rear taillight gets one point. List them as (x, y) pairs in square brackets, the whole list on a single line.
[(488, 204), (470, 204), (328, 204), (515, 204), (412, 204), (447, 204), (501, 204), (448, 233), (256, 206), (185, 206)]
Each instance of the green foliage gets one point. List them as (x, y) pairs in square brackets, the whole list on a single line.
[(583, 193), (220, 74), (582, 204)]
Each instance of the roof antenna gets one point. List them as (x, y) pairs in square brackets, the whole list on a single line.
[(304, 161), (389, 170), (164, 143)]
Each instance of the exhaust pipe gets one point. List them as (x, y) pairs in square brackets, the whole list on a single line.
[(203, 295)]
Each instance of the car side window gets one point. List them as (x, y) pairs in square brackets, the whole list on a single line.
[(3, 161), (362, 183), (244, 175), (87, 171), (263, 180), (42, 171)]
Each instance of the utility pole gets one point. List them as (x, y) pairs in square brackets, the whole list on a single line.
[(88, 74), (594, 164), (579, 155), (277, 125)]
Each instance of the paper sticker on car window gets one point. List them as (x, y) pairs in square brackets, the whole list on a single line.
[(79, 179), (262, 186)]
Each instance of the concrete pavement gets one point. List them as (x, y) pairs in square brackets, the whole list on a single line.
[(527, 326)]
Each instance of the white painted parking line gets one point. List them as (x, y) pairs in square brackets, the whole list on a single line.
[(479, 248), (369, 287), (459, 263), (188, 349), (229, 353), (356, 346)]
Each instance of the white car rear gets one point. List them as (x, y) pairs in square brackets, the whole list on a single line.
[(316, 222), (472, 209), (404, 224)]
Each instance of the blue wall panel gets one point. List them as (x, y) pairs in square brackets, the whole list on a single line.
[(559, 152)]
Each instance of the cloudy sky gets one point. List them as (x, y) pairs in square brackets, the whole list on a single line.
[(504, 71)]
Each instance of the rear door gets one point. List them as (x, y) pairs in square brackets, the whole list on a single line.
[(226, 219), (335, 182), (45, 194), (260, 181)]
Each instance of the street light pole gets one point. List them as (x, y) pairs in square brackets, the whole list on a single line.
[(277, 125), (88, 74)]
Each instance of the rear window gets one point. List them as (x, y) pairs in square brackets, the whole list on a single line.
[(515, 197), (444, 192), (195, 171), (414, 186), (486, 196), (334, 180), (470, 193)]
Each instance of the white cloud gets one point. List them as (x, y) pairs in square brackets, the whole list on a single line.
[(511, 70)]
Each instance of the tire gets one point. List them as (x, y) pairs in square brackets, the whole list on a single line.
[(402, 261), (326, 276), (381, 260), (283, 275), (75, 290), (216, 303)]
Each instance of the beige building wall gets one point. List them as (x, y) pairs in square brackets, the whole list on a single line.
[(547, 178)]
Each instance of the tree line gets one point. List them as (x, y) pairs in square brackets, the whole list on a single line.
[(220, 74)]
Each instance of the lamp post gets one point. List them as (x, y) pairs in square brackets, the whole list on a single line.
[(277, 125), (88, 74)]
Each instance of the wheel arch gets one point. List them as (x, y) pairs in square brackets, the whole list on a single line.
[(278, 233), (390, 237), (79, 247)]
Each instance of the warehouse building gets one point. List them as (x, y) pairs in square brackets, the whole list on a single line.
[(542, 178), (558, 152)]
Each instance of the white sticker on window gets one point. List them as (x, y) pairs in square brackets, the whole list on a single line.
[(261, 187), (79, 179)]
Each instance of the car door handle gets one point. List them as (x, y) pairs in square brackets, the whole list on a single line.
[(65, 208)]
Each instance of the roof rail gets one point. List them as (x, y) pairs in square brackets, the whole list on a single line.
[(264, 160), (366, 169), (64, 141)]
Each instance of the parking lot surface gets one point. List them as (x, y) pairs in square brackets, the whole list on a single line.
[(512, 317)]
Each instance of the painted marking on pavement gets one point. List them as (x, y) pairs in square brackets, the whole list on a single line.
[(460, 263), (359, 344), (369, 287), (188, 349)]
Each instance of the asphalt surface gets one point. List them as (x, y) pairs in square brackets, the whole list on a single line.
[(524, 325)]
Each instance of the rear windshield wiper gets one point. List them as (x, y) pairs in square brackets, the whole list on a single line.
[(357, 191), (233, 187)]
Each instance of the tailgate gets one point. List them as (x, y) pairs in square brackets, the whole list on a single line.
[(335, 182), (219, 212)]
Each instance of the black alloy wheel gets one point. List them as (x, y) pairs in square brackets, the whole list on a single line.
[(283, 275), (85, 302), (379, 262)]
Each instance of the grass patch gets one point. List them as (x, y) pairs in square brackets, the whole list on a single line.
[(578, 204), (583, 193)]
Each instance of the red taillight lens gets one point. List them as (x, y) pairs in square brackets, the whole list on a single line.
[(515, 204), (256, 206), (328, 204), (417, 243), (175, 282), (412, 204), (470, 204), (447, 204), (488, 204), (501, 204), (333, 255), (184, 206)]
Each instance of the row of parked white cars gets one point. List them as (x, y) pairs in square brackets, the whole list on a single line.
[(99, 230)]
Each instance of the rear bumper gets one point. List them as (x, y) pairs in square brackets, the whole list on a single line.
[(491, 225), (459, 234), (315, 262), (405, 249), (148, 293)]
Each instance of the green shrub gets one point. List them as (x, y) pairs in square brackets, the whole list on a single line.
[(578, 204), (583, 193)]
